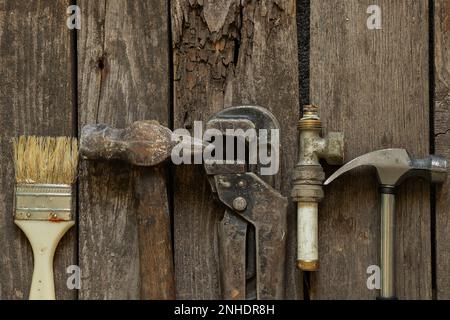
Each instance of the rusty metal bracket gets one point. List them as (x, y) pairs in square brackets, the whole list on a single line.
[(252, 232)]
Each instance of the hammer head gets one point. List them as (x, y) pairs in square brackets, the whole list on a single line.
[(394, 165)]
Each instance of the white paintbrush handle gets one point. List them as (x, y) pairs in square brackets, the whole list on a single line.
[(44, 237)]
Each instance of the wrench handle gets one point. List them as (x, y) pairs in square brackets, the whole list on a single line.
[(387, 243)]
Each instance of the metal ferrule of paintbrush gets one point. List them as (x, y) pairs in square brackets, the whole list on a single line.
[(43, 202)]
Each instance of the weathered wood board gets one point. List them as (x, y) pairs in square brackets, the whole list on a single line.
[(442, 142), (229, 53), (123, 74), (35, 99), (373, 86)]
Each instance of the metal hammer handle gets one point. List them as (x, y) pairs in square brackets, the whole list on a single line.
[(387, 243)]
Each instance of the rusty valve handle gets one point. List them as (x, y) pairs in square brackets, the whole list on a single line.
[(144, 143)]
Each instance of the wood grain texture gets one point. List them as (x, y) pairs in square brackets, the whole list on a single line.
[(442, 142), (124, 216), (35, 98), (373, 86), (229, 53)]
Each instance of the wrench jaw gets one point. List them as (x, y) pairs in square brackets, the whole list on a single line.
[(252, 233)]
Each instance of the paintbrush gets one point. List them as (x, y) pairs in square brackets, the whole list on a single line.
[(45, 171)]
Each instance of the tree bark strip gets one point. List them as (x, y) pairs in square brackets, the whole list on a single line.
[(125, 249), (442, 142), (229, 53), (373, 86), (35, 99)]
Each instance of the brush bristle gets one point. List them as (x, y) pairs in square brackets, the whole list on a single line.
[(45, 160)]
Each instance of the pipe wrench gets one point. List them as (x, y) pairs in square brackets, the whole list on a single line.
[(252, 232)]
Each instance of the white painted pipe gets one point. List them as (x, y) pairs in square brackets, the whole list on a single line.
[(308, 238)]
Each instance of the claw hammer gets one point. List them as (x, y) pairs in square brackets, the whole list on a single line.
[(393, 166)]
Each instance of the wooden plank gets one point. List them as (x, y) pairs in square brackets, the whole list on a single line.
[(123, 77), (442, 142), (35, 98), (373, 86), (227, 53)]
